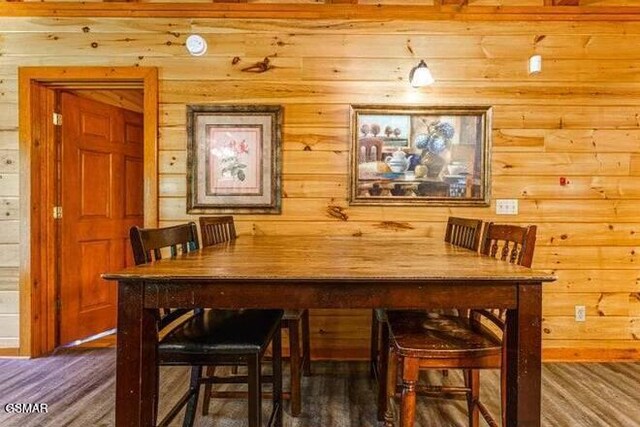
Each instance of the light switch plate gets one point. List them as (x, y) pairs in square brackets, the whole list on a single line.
[(581, 313), (507, 206)]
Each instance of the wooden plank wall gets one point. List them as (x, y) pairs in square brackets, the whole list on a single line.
[(579, 119)]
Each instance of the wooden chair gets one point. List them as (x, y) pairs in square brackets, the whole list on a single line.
[(469, 339), (200, 337), (461, 232), (221, 229)]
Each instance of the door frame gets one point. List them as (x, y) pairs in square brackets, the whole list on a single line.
[(37, 175)]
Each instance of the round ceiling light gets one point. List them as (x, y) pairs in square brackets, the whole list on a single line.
[(196, 45)]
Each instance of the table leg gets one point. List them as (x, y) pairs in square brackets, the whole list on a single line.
[(524, 347), (136, 372)]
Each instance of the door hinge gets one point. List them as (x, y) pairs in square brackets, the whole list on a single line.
[(57, 212), (57, 119)]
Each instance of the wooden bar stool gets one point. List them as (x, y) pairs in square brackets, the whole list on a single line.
[(465, 339), (220, 229), (462, 232), (200, 337)]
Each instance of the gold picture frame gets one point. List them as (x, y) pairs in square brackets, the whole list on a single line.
[(420, 155)]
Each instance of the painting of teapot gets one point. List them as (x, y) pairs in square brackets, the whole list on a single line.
[(398, 162)]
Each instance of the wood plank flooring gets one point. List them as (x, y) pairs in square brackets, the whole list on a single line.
[(78, 385)]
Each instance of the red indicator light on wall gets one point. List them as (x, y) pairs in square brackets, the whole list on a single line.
[(563, 181)]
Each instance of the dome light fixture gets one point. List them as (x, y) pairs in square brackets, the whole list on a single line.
[(420, 75), (196, 45)]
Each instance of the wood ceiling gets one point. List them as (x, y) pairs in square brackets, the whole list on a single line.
[(459, 3)]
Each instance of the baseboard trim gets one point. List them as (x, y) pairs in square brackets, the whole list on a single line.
[(9, 352)]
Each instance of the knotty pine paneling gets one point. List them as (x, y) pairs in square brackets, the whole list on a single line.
[(8, 279), (8, 139), (9, 231), (396, 91), (592, 280), (532, 211), (8, 184), (9, 117), (9, 161), (9, 333), (579, 119), (9, 255), (607, 304), (512, 120), (9, 302), (9, 207)]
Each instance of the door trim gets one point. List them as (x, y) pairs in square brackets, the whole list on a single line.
[(37, 293)]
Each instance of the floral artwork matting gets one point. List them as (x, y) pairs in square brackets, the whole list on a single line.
[(233, 159)]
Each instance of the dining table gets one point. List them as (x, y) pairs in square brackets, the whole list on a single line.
[(327, 272)]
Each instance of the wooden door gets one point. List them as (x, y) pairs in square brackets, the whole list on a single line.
[(101, 197)]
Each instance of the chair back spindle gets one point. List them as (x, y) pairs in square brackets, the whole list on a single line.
[(464, 232), (217, 229), (517, 243)]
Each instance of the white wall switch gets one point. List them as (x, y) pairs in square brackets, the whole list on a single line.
[(581, 313), (507, 206)]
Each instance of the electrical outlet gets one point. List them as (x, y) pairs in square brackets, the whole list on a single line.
[(581, 313), (507, 206)]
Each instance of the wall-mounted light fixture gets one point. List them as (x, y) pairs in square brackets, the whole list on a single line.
[(196, 45), (535, 64), (420, 75)]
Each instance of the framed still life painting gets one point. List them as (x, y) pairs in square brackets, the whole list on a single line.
[(233, 159), (402, 155)]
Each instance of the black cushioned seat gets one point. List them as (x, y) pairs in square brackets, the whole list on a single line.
[(221, 332)]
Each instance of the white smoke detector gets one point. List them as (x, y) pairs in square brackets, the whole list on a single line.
[(196, 45)]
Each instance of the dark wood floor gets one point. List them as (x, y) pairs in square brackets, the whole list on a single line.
[(78, 386)]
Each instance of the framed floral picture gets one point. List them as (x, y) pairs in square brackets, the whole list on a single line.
[(406, 155), (233, 159)]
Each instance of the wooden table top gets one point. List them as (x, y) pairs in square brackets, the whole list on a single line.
[(332, 259)]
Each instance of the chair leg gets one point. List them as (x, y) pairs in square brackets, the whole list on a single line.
[(392, 377), (472, 381), (276, 362), (156, 398), (375, 346), (255, 388), (383, 367), (409, 380), (294, 365), (206, 399), (306, 345), (194, 388)]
